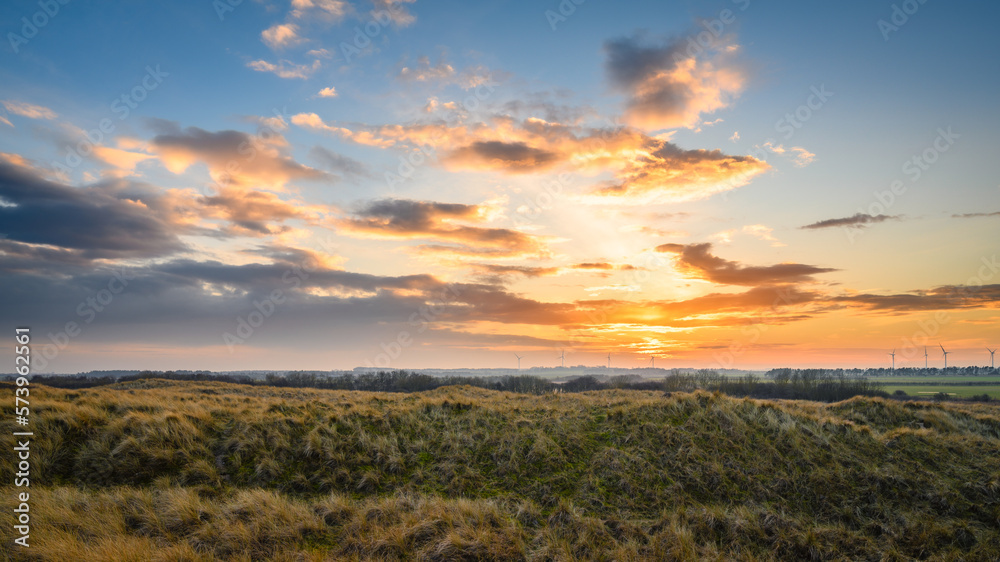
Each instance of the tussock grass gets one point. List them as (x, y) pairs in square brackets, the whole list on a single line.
[(167, 470)]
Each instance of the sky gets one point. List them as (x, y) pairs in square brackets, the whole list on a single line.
[(328, 184)]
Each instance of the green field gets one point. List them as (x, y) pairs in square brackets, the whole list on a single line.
[(962, 391), (942, 378)]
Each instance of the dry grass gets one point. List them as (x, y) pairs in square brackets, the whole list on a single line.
[(158, 470)]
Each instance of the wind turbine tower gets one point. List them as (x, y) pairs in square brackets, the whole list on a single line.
[(562, 358), (945, 355), (992, 351), (925, 356), (893, 354), (518, 361), (609, 359), (652, 361)]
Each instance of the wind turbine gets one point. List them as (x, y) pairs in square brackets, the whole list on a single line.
[(518, 361), (562, 358), (945, 355), (992, 351), (925, 356), (609, 359), (893, 354), (652, 361)]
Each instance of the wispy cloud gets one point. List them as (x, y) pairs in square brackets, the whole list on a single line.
[(860, 220), (286, 69), (29, 110)]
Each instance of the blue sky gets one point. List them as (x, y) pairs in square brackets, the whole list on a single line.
[(698, 194)]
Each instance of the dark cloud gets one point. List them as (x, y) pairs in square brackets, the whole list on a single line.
[(859, 220), (104, 220), (509, 156), (407, 219), (945, 297), (976, 215), (667, 86), (234, 158), (697, 260)]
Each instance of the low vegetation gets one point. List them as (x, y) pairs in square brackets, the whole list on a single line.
[(153, 469), (807, 384)]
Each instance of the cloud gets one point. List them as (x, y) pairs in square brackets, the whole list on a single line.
[(440, 222), (945, 297), (314, 122), (29, 110), (281, 35), (666, 172), (499, 270), (395, 10), (338, 163), (286, 69), (330, 92), (764, 233), (443, 74), (105, 220), (122, 159), (976, 215), (425, 72), (802, 156), (251, 213), (647, 169), (860, 220), (511, 157), (666, 87), (697, 261), (333, 9), (233, 158)]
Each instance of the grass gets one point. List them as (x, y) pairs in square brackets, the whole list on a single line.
[(169, 470), (961, 391), (944, 379)]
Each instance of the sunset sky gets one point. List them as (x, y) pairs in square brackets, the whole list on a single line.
[(325, 184)]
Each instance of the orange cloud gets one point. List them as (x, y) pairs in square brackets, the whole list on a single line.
[(29, 110), (672, 85), (250, 213), (646, 168), (233, 158), (697, 261), (440, 222), (281, 35)]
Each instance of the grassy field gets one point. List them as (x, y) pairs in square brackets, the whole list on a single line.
[(961, 391), (939, 379), (160, 470)]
